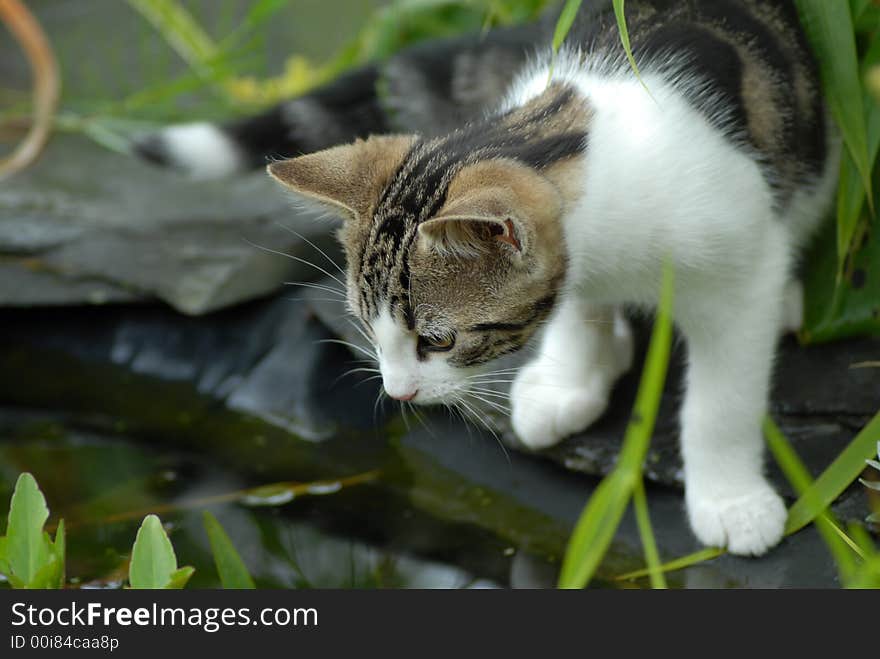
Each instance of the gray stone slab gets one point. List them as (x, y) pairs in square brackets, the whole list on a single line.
[(127, 231)]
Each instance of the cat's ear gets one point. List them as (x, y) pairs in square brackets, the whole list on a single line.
[(347, 178), (492, 207), (474, 225)]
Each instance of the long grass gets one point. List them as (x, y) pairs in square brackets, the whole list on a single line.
[(599, 521)]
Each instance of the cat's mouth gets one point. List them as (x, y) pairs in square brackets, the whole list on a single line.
[(423, 395)]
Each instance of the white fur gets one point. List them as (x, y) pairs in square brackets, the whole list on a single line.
[(202, 150), (432, 380), (659, 183), (566, 387)]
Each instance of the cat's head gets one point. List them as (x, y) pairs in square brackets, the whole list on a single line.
[(451, 261)]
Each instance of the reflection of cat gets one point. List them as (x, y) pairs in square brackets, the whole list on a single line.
[(494, 209)]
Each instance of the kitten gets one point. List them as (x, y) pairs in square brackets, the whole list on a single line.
[(472, 229)]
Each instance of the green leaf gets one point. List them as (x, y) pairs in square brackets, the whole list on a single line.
[(850, 306), (261, 11), (829, 27), (4, 560), (857, 7), (26, 548), (851, 192), (230, 567), (51, 575), (179, 578), (601, 516), (152, 558), (839, 475)]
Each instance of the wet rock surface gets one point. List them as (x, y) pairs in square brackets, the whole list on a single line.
[(260, 390), (131, 232)]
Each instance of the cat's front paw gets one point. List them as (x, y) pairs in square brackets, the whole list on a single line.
[(747, 523), (545, 411)]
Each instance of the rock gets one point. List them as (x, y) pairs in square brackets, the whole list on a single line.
[(126, 231)]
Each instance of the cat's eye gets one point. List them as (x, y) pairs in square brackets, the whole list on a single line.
[(436, 343)]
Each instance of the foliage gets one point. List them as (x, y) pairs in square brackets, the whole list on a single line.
[(843, 283), (230, 567), (596, 527), (812, 505), (873, 518), (29, 558), (389, 29), (153, 562)]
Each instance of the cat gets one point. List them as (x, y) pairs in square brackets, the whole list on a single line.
[(493, 193)]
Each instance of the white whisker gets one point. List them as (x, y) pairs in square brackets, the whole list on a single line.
[(317, 287), (298, 260), (318, 249), (353, 346)]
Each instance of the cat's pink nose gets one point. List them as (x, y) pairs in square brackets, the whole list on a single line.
[(406, 397)]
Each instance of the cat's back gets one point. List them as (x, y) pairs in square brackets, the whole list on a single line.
[(745, 65)]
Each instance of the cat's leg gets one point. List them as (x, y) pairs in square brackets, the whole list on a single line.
[(793, 306), (731, 342), (566, 387)]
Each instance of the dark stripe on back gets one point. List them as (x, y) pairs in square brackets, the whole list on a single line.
[(546, 130)]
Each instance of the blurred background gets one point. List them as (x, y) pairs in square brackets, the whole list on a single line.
[(151, 359)]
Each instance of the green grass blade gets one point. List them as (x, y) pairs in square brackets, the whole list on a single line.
[(564, 23), (851, 192), (652, 556), (817, 495), (839, 544), (594, 532), (181, 30), (26, 548), (829, 26), (620, 17), (701, 556), (230, 567), (836, 478), (601, 516)]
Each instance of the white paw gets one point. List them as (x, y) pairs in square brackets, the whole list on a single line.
[(747, 524), (545, 411)]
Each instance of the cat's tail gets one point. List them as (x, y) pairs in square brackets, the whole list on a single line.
[(339, 112)]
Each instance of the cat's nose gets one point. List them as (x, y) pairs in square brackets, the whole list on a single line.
[(404, 397)]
